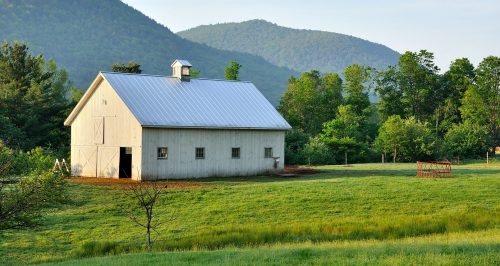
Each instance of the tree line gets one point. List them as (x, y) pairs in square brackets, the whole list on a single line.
[(420, 114)]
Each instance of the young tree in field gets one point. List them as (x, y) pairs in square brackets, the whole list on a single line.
[(33, 99), (311, 100), (342, 133), (145, 196), (488, 81), (232, 71), (131, 67)]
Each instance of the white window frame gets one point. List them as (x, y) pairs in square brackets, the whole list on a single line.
[(266, 155), (196, 153), (233, 149), (159, 153)]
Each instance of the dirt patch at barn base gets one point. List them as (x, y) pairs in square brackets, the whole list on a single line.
[(126, 183)]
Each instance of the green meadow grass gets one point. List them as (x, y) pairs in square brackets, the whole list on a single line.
[(469, 248), (233, 220)]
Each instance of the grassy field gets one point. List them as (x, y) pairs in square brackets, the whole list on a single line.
[(360, 214)]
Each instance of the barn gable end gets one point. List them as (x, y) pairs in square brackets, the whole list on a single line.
[(101, 124)]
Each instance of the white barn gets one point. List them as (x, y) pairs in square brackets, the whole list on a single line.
[(158, 127)]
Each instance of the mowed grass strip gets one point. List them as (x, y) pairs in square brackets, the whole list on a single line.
[(359, 202)]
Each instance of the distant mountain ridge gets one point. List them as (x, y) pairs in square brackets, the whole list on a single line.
[(300, 50), (85, 37)]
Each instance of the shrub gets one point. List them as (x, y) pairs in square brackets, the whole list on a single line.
[(36, 161), (21, 202)]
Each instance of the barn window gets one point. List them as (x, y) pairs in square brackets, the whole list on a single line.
[(235, 153), (162, 153), (268, 152), (200, 153)]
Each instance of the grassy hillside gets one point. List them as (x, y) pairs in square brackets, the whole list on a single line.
[(363, 213), (301, 50), (85, 37)]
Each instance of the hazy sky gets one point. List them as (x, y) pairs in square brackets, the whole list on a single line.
[(448, 28)]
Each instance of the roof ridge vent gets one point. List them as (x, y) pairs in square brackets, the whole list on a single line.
[(181, 69)]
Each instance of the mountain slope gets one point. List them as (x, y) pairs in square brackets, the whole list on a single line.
[(85, 37), (301, 50)]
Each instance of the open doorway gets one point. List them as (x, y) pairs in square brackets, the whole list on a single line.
[(125, 162)]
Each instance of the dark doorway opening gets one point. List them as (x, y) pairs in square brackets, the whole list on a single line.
[(125, 162)]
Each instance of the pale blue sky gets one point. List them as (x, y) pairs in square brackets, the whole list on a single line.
[(451, 29)]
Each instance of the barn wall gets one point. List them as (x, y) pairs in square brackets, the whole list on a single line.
[(103, 126), (181, 143)]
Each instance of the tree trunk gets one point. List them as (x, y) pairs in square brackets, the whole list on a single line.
[(149, 238), (345, 157), (148, 226), (394, 156)]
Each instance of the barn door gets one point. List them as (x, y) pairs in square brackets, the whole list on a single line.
[(84, 161), (99, 130), (108, 161)]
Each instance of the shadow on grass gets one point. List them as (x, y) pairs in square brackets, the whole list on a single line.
[(322, 173), (325, 174)]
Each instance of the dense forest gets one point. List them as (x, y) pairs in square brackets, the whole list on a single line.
[(421, 115), (85, 37), (300, 50)]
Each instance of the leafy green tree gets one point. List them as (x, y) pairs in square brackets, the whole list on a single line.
[(411, 88), (391, 136), (316, 151), (232, 71), (311, 100), (358, 80), (488, 81), (131, 67), (357, 96), (195, 73), (389, 92), (405, 139), (454, 83), (32, 99), (473, 108), (467, 139), (295, 140), (342, 134), (419, 84)]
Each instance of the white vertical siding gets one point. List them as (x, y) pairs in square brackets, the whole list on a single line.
[(181, 143), (95, 155)]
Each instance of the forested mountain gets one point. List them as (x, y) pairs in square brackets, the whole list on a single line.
[(301, 50), (85, 37)]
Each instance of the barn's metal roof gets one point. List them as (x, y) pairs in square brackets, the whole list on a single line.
[(159, 101)]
